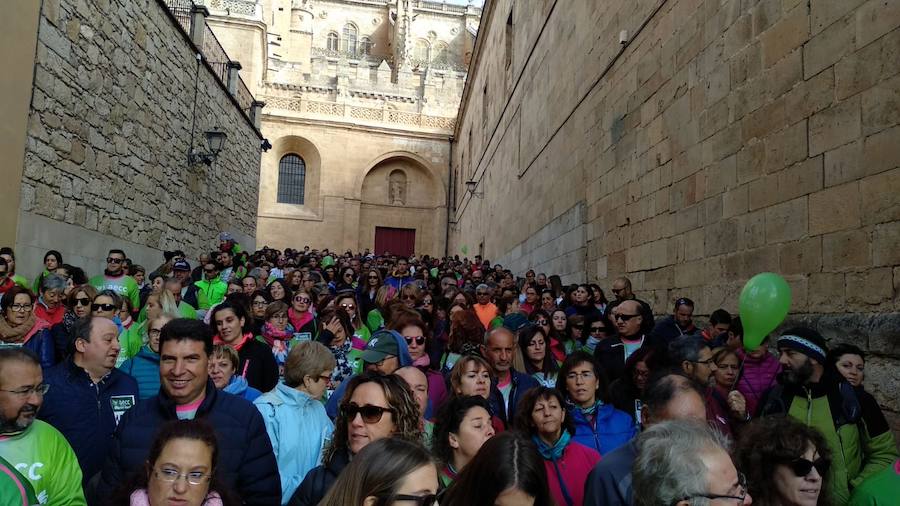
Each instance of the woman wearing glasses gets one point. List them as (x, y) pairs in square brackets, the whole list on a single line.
[(418, 339), (598, 425), (20, 327), (346, 300), (373, 407), (367, 290), (78, 305), (389, 472), (786, 462), (180, 469), (346, 280), (726, 408), (144, 367), (294, 403), (301, 316)]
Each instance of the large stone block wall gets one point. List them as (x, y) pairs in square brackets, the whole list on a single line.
[(109, 132), (727, 138)]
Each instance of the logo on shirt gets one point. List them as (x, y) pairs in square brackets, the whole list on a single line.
[(120, 404)]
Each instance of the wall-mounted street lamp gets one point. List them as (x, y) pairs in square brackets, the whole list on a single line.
[(471, 186), (215, 141)]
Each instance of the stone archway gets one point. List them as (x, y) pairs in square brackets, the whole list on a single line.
[(399, 192)]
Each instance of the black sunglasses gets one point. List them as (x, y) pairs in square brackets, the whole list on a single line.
[(418, 500), (83, 301), (111, 260), (370, 414), (597, 330), (104, 307), (625, 317), (802, 467), (420, 340)]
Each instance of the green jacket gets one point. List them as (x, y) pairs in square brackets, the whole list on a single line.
[(880, 489), (860, 439), (210, 293)]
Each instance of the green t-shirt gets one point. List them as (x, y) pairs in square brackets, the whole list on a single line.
[(43, 456), (15, 489), (123, 285), (880, 489)]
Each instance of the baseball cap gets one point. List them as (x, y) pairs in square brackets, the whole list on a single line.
[(181, 265), (381, 345)]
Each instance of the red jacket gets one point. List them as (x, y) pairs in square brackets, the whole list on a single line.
[(574, 467)]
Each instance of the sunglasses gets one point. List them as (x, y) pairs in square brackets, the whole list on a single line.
[(103, 307), (209, 271), (426, 302), (83, 301), (420, 340), (373, 277), (802, 467), (348, 306), (305, 300), (111, 260), (418, 500), (598, 330), (370, 414), (408, 297), (541, 322), (625, 317)]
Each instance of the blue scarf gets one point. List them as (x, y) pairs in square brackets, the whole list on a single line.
[(591, 411), (553, 452)]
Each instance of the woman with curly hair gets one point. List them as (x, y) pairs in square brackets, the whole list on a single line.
[(786, 462), (466, 337), (373, 407)]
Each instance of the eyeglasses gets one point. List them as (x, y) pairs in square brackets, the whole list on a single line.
[(82, 301), (426, 302), (103, 307), (704, 362), (260, 303), (304, 300), (348, 306), (112, 260), (541, 322), (370, 414), (479, 294), (599, 330), (584, 375), (625, 317), (419, 500), (802, 467), (742, 486), (171, 476), (348, 275), (617, 291), (40, 390), (408, 297), (323, 377), (420, 340), (21, 308)]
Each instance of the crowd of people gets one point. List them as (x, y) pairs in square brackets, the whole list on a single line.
[(307, 377)]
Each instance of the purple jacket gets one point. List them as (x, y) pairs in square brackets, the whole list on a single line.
[(757, 375)]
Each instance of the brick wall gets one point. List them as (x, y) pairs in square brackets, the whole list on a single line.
[(729, 137), (109, 132)]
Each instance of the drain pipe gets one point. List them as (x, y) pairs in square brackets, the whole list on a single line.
[(449, 200)]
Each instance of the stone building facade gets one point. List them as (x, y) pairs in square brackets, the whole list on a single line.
[(361, 99), (717, 140), (117, 90)]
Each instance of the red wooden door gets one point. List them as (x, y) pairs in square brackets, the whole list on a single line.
[(397, 241)]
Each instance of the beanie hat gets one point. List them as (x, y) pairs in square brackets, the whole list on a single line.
[(806, 341), (515, 321)]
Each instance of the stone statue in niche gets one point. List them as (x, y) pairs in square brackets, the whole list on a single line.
[(397, 188)]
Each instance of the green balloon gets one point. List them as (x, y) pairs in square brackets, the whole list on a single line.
[(764, 303)]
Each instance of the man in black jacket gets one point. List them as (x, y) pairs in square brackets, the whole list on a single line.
[(246, 460), (634, 321)]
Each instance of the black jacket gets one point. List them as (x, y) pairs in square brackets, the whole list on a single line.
[(319, 481), (610, 354), (257, 365), (246, 460)]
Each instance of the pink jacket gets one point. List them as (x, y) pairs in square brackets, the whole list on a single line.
[(757, 376), (574, 466)]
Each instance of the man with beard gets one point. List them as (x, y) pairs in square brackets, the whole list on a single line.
[(35, 448), (88, 395), (850, 419)]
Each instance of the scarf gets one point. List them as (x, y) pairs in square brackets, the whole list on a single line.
[(554, 452), (69, 319), (16, 334), (237, 346), (590, 411), (271, 334), (423, 361), (298, 320), (140, 498)]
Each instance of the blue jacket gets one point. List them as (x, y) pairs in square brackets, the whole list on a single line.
[(298, 426), (521, 383), (609, 483), (331, 407), (42, 344), (398, 283), (238, 386), (144, 368), (611, 428), (246, 461), (86, 413), (668, 330)]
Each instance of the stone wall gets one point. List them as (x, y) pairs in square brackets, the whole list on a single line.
[(726, 138), (109, 133)]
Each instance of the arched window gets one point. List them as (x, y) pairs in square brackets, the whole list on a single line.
[(351, 34), (332, 41), (421, 52), (441, 54), (365, 46), (291, 179)]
